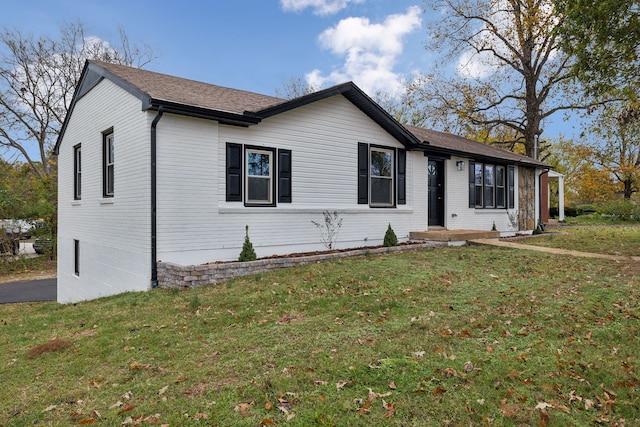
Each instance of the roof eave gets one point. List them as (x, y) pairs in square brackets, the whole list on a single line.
[(483, 157), (224, 117)]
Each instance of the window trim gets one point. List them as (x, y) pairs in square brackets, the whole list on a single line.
[(236, 174), (77, 172), (271, 177), (500, 190), (76, 257), (391, 177), (398, 177), (108, 167), (489, 186), (481, 188)]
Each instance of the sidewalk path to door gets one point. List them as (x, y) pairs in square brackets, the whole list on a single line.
[(504, 244)]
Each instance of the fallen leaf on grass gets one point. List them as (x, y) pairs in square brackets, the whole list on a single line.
[(543, 405), (243, 409), (364, 408), (163, 390), (86, 421), (390, 409), (126, 408), (268, 406), (588, 404), (49, 408), (438, 390), (544, 419), (267, 421), (392, 385)]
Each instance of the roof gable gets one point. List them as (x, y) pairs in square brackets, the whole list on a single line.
[(242, 108)]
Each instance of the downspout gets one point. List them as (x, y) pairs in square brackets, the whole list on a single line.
[(154, 225), (540, 195)]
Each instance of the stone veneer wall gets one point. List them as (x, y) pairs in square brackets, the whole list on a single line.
[(174, 276)]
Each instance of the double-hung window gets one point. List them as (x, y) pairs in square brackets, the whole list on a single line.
[(258, 176), (500, 187), (381, 176), (77, 172), (478, 179), (489, 186), (108, 165)]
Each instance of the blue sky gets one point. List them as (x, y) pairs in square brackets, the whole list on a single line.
[(253, 45), (258, 45)]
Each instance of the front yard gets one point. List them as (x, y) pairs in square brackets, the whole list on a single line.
[(456, 336)]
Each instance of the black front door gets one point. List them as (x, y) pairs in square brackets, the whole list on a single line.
[(436, 193)]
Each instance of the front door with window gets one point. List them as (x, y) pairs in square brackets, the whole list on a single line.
[(436, 193)]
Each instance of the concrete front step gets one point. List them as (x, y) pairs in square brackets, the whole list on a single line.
[(443, 235)]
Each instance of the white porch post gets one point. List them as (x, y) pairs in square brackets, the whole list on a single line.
[(553, 174), (561, 198)]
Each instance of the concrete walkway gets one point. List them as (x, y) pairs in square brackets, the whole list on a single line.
[(504, 244)]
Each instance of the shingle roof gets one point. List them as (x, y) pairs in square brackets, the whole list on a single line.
[(243, 108), (459, 145), (163, 87)]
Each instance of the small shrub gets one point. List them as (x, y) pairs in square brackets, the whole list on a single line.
[(329, 228), (625, 210), (247, 254), (390, 238)]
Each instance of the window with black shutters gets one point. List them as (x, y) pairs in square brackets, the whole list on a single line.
[(258, 176), (381, 176)]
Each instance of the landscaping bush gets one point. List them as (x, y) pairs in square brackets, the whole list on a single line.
[(247, 254), (390, 238), (625, 210), (585, 209)]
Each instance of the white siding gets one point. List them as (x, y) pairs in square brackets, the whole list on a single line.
[(458, 214), (114, 233), (323, 138)]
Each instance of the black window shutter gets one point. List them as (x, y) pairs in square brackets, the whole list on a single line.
[(234, 172), (511, 175), (284, 176), (402, 177), (363, 173), (472, 184)]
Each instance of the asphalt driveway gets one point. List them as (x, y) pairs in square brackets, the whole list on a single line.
[(29, 291)]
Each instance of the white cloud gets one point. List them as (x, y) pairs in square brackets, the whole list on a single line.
[(321, 7), (370, 51)]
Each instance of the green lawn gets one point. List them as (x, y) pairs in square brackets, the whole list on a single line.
[(612, 239), (457, 336)]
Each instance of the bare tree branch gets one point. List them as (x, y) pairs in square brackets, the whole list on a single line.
[(38, 76)]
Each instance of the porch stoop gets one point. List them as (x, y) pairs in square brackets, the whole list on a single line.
[(460, 236)]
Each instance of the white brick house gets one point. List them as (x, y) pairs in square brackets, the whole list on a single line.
[(158, 168)]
